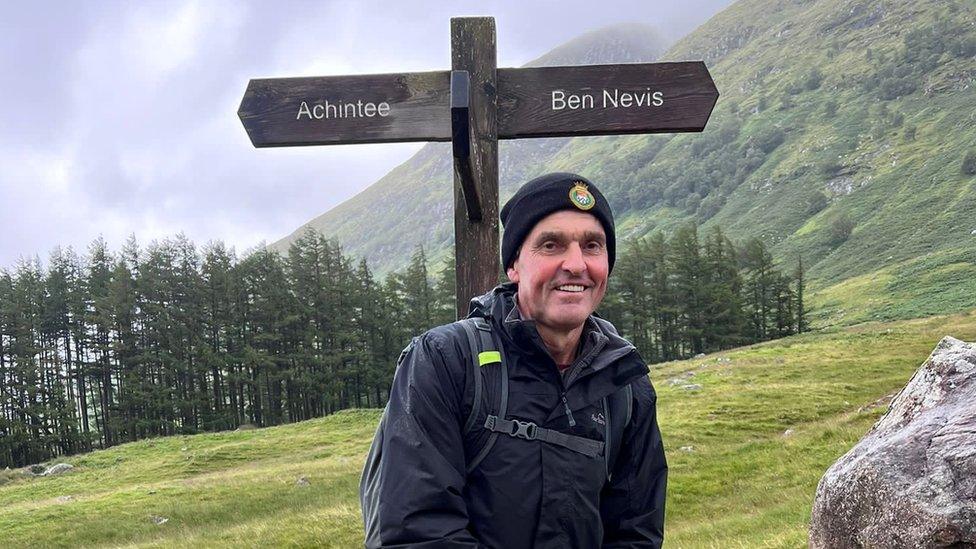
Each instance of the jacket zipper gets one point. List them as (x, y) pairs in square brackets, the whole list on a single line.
[(569, 413), (571, 376)]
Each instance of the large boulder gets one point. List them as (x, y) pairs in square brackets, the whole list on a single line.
[(911, 481)]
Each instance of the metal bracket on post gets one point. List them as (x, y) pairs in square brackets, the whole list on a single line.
[(461, 140)]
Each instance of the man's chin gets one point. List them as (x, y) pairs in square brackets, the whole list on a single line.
[(568, 320)]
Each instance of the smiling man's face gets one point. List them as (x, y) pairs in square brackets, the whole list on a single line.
[(561, 270)]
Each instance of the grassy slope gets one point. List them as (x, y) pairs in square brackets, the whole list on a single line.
[(743, 485)]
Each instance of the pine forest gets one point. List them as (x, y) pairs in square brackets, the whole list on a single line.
[(106, 348)]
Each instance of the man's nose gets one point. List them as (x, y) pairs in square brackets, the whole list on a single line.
[(573, 262)]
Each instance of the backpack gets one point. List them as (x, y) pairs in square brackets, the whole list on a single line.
[(487, 367), (486, 354)]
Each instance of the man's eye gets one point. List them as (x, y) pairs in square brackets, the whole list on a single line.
[(549, 245), (594, 246)]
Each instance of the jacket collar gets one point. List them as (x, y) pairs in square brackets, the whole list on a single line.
[(601, 345)]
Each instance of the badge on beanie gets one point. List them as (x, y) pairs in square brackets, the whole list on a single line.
[(581, 197)]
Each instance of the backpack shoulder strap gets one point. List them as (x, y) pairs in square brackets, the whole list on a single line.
[(474, 343), (620, 408), (483, 353)]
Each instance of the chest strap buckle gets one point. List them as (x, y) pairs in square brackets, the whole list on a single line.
[(524, 429)]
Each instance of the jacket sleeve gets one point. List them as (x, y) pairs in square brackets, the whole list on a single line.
[(632, 506), (416, 497)]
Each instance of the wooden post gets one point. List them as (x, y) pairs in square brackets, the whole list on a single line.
[(476, 242)]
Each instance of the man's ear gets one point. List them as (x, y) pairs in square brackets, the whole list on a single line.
[(513, 273)]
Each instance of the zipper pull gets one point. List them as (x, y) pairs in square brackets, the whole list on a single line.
[(569, 413)]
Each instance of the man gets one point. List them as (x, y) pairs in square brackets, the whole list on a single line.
[(545, 478)]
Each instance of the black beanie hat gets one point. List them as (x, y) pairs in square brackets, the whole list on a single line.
[(547, 194)]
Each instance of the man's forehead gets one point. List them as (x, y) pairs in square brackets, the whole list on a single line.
[(568, 222)]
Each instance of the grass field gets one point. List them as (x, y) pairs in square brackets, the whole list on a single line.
[(736, 480)]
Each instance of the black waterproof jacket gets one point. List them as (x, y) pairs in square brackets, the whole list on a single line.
[(526, 493)]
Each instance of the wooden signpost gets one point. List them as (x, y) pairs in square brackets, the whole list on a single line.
[(474, 105)]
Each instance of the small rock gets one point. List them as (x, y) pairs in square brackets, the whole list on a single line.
[(788, 433), (688, 449), (183, 449), (700, 355), (58, 469), (303, 481), (151, 492), (65, 499), (158, 520), (692, 387), (973, 232), (675, 381)]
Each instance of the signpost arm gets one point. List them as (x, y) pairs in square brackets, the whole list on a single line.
[(476, 242)]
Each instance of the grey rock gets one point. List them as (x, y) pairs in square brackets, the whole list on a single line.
[(692, 387), (700, 355), (688, 449), (58, 469), (65, 499), (911, 481), (158, 520), (303, 481), (788, 433)]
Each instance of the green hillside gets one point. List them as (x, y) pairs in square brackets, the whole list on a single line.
[(840, 136), (736, 480)]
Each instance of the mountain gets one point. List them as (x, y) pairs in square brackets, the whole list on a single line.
[(845, 135)]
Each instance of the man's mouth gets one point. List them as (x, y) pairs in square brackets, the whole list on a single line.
[(571, 288)]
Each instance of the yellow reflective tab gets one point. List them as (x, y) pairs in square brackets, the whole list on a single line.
[(489, 357)]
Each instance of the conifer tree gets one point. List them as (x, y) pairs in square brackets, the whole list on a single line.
[(800, 308), (444, 291), (723, 287), (99, 321), (415, 286), (688, 270)]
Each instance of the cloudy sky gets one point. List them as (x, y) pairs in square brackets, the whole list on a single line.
[(119, 118)]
